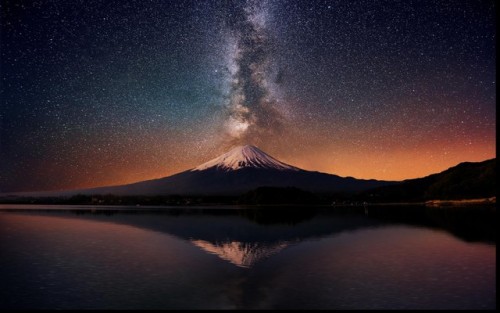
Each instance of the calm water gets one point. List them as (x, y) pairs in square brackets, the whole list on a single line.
[(226, 259)]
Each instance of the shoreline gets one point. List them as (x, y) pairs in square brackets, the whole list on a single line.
[(200, 206)]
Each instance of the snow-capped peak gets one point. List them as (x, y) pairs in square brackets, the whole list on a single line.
[(244, 157)]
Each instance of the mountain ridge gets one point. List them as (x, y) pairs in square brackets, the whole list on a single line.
[(247, 168), (466, 180), (233, 173)]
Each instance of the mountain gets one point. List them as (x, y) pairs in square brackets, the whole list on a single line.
[(240, 170), (467, 180)]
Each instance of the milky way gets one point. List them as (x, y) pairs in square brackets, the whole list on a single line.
[(104, 92), (253, 114)]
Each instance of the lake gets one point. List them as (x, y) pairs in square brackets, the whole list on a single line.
[(71, 257)]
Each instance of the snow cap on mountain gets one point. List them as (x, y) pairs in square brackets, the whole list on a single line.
[(244, 157)]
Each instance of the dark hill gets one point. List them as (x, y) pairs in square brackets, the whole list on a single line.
[(276, 195), (467, 180)]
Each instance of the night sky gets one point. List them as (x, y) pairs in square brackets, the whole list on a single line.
[(109, 92)]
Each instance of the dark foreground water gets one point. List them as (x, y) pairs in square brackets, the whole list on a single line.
[(302, 258)]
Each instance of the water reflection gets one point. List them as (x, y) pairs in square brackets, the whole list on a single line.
[(240, 253), (241, 237), (246, 236), (301, 258)]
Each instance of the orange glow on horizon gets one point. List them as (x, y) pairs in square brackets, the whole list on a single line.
[(376, 164)]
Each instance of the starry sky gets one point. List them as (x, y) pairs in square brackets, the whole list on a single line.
[(106, 92)]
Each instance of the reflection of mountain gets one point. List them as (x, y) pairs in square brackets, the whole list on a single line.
[(240, 253), (246, 237), (242, 242), (241, 237)]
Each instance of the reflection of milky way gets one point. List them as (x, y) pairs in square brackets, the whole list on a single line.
[(96, 93)]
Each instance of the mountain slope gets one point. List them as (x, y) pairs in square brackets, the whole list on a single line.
[(242, 169), (465, 181), (219, 182)]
